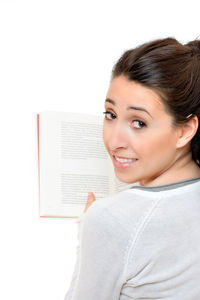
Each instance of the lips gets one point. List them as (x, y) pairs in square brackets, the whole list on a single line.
[(123, 165)]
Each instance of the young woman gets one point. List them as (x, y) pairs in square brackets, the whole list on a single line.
[(144, 242)]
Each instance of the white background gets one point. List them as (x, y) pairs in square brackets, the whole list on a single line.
[(58, 55)]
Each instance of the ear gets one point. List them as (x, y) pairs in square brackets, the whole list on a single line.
[(187, 131)]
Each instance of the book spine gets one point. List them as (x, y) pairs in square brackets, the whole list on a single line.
[(38, 142)]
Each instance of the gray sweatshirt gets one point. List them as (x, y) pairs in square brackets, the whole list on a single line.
[(141, 243)]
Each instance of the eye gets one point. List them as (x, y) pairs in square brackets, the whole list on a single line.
[(139, 123), (108, 113)]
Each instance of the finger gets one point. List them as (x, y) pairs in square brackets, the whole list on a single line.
[(90, 200), (91, 197)]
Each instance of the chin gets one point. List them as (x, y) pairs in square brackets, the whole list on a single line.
[(125, 179)]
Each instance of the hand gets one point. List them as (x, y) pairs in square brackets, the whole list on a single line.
[(90, 200)]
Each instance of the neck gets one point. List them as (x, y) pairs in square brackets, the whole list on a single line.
[(183, 168)]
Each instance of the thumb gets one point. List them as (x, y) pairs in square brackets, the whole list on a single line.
[(91, 198)]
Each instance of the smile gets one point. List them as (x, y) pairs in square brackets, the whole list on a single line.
[(123, 163), (124, 159)]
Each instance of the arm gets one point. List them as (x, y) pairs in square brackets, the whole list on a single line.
[(99, 266), (90, 200)]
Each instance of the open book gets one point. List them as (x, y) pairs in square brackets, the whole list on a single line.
[(72, 161)]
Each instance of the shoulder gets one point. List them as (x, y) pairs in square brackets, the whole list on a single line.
[(124, 211), (114, 224), (129, 207)]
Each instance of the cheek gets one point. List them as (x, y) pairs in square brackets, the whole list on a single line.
[(156, 144)]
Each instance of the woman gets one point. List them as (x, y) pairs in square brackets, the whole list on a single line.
[(144, 242)]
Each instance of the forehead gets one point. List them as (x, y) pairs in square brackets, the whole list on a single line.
[(125, 92)]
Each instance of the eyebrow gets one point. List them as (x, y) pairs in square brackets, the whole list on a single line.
[(129, 107)]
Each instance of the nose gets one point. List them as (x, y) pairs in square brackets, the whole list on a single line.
[(118, 138)]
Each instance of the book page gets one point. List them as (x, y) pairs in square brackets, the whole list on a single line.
[(117, 185), (73, 162)]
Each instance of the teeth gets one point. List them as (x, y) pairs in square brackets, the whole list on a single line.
[(124, 159)]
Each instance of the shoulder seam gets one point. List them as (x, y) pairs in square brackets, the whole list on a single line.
[(136, 235)]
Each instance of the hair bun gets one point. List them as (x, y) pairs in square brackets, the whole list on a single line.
[(195, 45)]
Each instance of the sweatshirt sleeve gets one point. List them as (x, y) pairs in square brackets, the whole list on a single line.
[(100, 262)]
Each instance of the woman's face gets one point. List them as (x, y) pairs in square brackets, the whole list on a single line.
[(137, 127)]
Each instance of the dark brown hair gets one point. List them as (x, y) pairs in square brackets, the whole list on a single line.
[(172, 70)]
